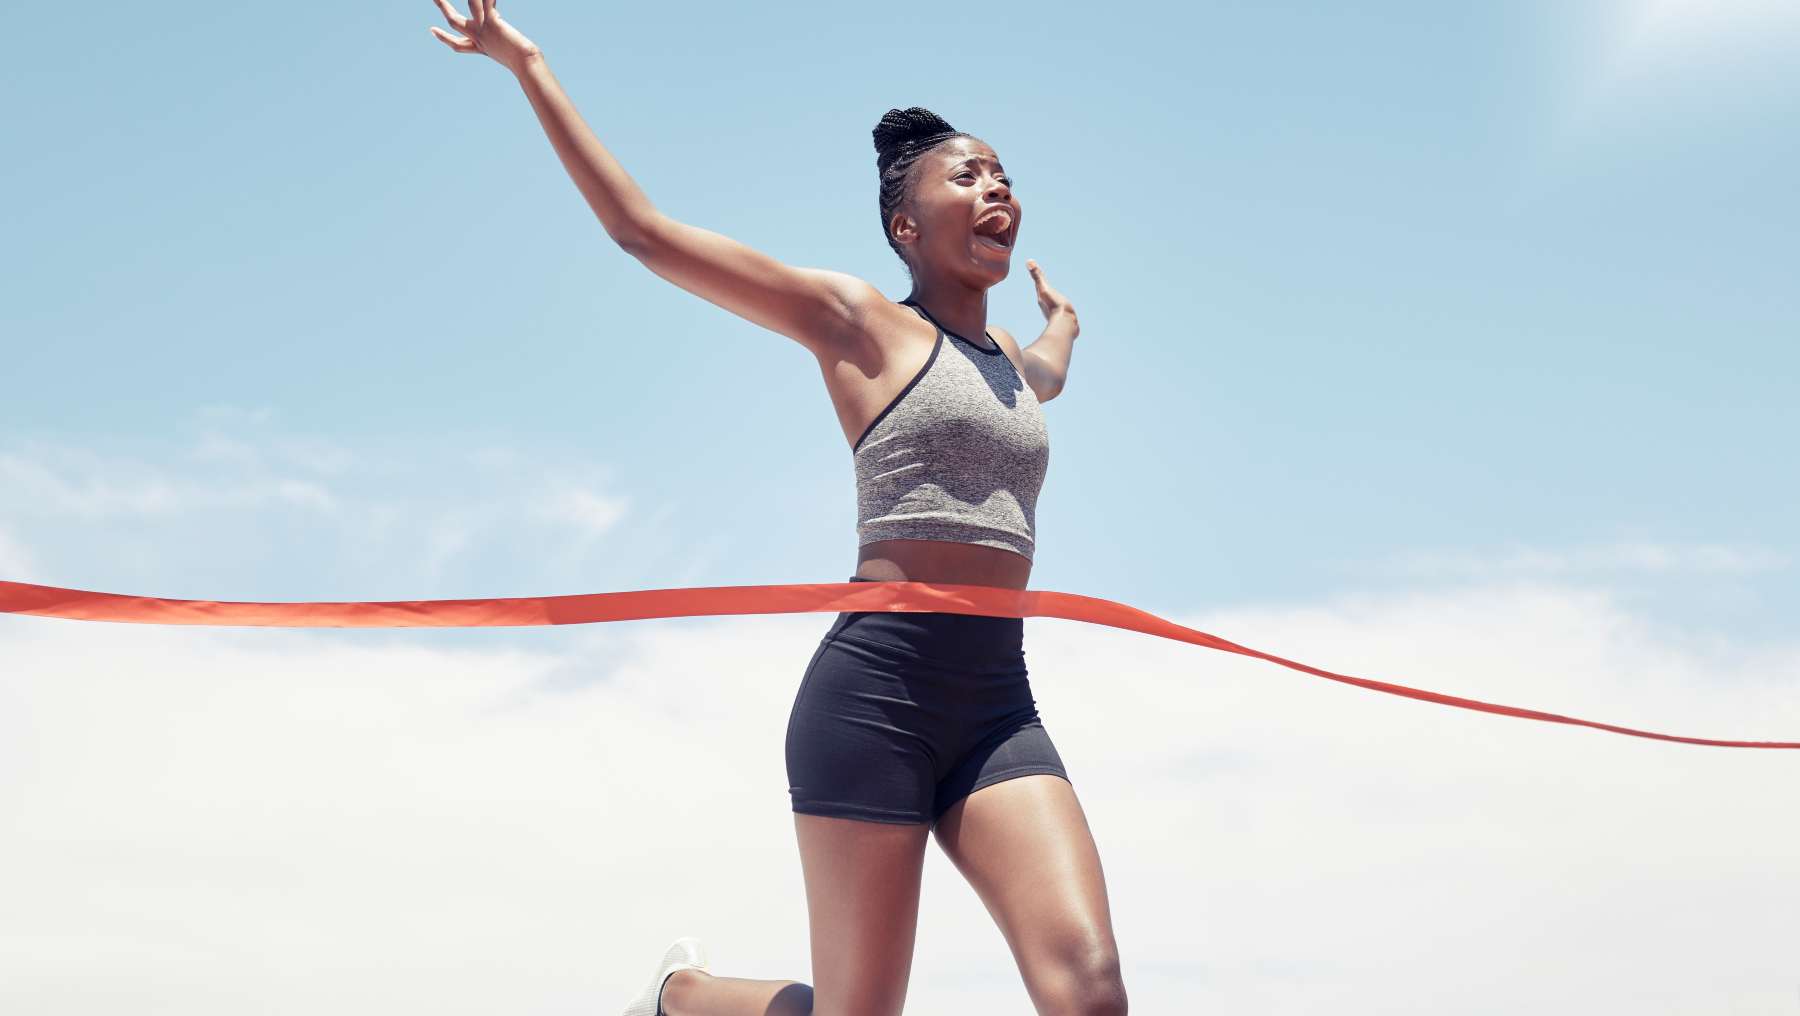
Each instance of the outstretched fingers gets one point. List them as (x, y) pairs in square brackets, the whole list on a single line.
[(460, 45), (484, 31), (1049, 300), (458, 22)]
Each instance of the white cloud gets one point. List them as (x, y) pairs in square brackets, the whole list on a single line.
[(1647, 46), (588, 512), (1652, 34), (1612, 68), (16, 564), (61, 481), (250, 494), (447, 536), (197, 818), (214, 447)]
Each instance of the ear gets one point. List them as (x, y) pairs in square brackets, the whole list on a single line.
[(905, 230)]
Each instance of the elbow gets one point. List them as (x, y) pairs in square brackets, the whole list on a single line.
[(635, 237), (630, 243)]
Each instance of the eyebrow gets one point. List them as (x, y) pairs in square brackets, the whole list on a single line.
[(978, 159)]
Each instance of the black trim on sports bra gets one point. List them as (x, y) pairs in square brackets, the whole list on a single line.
[(910, 385), (952, 334)]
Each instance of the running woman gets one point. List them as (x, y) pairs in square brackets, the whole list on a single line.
[(905, 724)]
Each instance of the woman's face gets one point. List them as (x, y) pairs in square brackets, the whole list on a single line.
[(958, 185)]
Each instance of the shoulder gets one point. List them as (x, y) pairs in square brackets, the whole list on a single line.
[(1030, 367), (867, 316), (867, 310), (1010, 346)]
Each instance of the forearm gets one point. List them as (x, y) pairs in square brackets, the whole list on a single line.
[(1057, 344), (614, 196)]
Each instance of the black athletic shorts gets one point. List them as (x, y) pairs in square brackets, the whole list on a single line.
[(900, 715)]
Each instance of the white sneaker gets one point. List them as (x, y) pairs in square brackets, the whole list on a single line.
[(684, 954)]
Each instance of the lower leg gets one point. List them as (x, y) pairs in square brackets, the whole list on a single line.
[(698, 993)]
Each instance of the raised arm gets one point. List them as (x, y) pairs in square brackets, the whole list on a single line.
[(815, 307)]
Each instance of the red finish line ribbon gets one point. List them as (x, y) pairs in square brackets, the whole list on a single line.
[(637, 605)]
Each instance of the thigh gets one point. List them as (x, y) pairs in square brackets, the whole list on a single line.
[(1016, 745), (861, 744), (862, 904), (1025, 847)]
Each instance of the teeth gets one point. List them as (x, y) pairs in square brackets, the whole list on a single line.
[(992, 215)]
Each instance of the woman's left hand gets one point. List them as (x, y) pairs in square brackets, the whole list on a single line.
[(486, 32), (1049, 300)]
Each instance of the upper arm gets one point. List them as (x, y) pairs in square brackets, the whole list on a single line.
[(1038, 374), (813, 306)]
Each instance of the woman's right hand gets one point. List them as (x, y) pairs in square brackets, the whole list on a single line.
[(486, 32)]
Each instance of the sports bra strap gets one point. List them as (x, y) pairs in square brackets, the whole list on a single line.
[(927, 315)]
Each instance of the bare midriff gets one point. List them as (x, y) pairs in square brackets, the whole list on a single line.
[(941, 561)]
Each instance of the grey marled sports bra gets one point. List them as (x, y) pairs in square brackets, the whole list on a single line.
[(959, 455)]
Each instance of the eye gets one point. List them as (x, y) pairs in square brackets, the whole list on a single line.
[(1007, 180)]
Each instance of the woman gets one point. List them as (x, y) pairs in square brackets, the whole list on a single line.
[(904, 722)]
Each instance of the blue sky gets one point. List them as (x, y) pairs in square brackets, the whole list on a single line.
[(1355, 286), (1403, 303)]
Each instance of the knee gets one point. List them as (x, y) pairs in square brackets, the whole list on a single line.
[(1087, 984)]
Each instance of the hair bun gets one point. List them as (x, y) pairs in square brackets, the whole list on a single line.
[(900, 129)]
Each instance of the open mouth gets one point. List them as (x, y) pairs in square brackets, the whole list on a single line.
[(995, 229)]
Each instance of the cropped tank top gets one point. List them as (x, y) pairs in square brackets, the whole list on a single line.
[(959, 455)]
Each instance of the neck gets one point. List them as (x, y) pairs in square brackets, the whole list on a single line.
[(958, 308)]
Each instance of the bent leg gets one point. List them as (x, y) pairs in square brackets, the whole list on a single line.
[(1026, 849), (862, 902), (698, 993)]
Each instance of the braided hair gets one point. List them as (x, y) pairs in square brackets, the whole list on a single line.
[(902, 136)]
